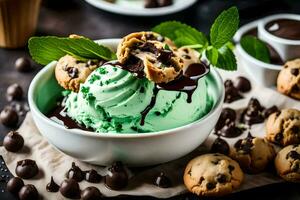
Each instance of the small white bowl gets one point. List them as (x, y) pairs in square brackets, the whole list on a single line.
[(286, 48), (133, 149), (262, 73)]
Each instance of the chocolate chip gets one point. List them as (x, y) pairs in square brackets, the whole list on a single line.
[(162, 181), (14, 92), (231, 168), (165, 56), (9, 117), (243, 84), (52, 186), (23, 64), (232, 94), (244, 145), (295, 89), (253, 114), (295, 71), (294, 155), (186, 57), (92, 176), (26, 169), (295, 129), (13, 141), (267, 112), (227, 115), (70, 188), (151, 4), (14, 185), (220, 146), (28, 192), (228, 83), (75, 173), (254, 103), (117, 177), (92, 62), (162, 3), (210, 185), (91, 193), (230, 131), (278, 137), (72, 72), (221, 178), (295, 167)]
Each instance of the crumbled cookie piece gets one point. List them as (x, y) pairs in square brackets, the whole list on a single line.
[(287, 163), (159, 62), (212, 175), (283, 127), (70, 72), (253, 154), (288, 81)]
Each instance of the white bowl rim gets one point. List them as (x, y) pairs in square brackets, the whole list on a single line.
[(242, 30), (45, 119), (264, 21)]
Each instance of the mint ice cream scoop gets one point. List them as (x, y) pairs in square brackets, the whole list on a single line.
[(112, 100)]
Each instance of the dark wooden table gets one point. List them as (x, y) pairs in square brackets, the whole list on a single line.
[(63, 17)]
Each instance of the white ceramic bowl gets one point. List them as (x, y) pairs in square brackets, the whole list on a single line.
[(262, 73), (287, 49), (133, 149)]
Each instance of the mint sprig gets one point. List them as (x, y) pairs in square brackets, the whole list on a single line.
[(256, 48), (218, 50), (49, 48)]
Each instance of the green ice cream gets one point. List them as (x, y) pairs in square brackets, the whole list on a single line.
[(112, 99)]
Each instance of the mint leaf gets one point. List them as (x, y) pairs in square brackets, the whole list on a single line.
[(49, 48), (181, 34), (256, 48), (224, 27), (212, 55)]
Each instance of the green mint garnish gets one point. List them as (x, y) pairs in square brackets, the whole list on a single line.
[(85, 90), (115, 69), (256, 48), (66, 93), (94, 78), (49, 48), (102, 70), (218, 50), (90, 97)]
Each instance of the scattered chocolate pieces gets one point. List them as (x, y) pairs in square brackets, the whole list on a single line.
[(267, 112), (14, 185), (227, 115), (162, 181), (9, 117), (91, 193), (230, 131), (14, 92), (26, 169), (253, 114), (23, 64), (70, 188), (244, 145), (75, 173), (243, 84), (13, 141), (117, 177), (92, 176), (28, 192), (231, 93), (52, 186), (220, 146)]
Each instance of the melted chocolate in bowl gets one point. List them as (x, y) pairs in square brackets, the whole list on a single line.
[(284, 28), (187, 82)]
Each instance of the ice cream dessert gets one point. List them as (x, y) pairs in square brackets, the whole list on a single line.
[(143, 91)]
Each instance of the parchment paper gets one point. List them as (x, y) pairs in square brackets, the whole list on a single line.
[(54, 163)]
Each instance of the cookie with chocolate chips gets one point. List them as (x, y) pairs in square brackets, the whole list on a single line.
[(287, 163), (70, 72), (288, 81), (212, 175), (283, 127), (253, 154)]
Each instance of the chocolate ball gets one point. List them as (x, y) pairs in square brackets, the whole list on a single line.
[(9, 117), (52, 186), (28, 192), (14, 92), (70, 188), (92, 176), (14, 185), (232, 94), (23, 64), (91, 193), (162, 3), (220, 146), (13, 141), (117, 177), (227, 115), (75, 173), (162, 181), (151, 4), (230, 131), (243, 84), (26, 169), (228, 83)]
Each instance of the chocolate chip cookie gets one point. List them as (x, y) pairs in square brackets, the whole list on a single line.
[(70, 72), (288, 81), (212, 175), (253, 154), (287, 163), (283, 127)]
